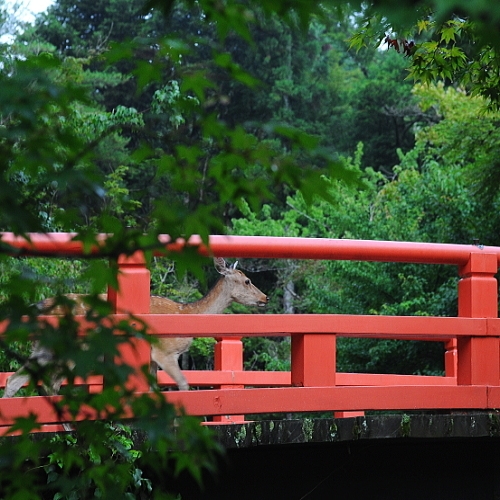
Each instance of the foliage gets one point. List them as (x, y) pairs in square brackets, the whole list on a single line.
[(272, 354), (182, 95), (456, 42), (466, 136), (118, 465), (120, 120), (116, 453), (384, 112), (36, 278)]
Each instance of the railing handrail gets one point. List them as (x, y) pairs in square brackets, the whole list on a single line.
[(282, 247)]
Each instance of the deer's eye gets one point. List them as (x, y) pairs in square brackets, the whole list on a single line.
[(247, 282)]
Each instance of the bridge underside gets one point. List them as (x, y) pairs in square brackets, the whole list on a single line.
[(432, 456)]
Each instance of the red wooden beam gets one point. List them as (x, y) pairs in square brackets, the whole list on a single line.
[(208, 378), (215, 325), (48, 243), (133, 295), (321, 399), (203, 378), (290, 399), (282, 247), (271, 247), (478, 357), (228, 357), (93, 380), (238, 325)]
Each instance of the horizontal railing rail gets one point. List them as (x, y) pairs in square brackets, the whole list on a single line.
[(277, 247), (228, 393)]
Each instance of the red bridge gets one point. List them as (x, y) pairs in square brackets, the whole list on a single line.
[(471, 340)]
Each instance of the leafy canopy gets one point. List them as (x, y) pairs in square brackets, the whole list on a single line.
[(57, 138), (453, 41)]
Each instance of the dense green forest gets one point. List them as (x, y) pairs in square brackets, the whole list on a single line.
[(357, 107), (255, 119)]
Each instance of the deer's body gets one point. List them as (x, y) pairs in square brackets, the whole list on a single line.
[(234, 286)]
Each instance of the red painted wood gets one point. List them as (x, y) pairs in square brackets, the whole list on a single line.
[(478, 357), (397, 327), (201, 378), (43, 406), (332, 249), (293, 399), (494, 398), (228, 356), (472, 355), (313, 359), (282, 247), (133, 296), (451, 358), (93, 380), (229, 378), (429, 328), (321, 399), (383, 379)]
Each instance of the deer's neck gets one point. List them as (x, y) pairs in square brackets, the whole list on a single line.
[(216, 300)]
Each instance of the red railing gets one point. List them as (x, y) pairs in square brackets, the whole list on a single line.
[(472, 340)]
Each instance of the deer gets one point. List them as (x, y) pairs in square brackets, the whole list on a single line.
[(233, 286)]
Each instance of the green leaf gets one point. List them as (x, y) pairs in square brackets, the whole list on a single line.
[(25, 425), (100, 274), (448, 34), (197, 82)]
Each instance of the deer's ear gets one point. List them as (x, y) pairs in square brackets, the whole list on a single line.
[(220, 265)]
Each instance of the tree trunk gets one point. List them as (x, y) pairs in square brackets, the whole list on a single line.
[(288, 295)]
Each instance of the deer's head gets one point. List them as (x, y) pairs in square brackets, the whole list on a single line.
[(239, 286)]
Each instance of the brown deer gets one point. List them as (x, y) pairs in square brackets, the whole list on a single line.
[(234, 286)]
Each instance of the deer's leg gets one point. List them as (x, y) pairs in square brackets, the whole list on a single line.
[(153, 369), (15, 382), (40, 356), (55, 385), (52, 390), (168, 359), (170, 364)]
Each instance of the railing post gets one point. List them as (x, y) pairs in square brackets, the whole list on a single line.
[(133, 296), (313, 360), (228, 356), (450, 358), (314, 364), (478, 357)]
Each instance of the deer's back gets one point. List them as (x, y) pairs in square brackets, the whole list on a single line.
[(158, 305), (162, 305)]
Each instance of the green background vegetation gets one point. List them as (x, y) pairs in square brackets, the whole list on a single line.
[(252, 118)]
